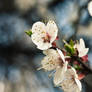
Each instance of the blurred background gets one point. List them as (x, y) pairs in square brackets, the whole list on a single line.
[(19, 57)]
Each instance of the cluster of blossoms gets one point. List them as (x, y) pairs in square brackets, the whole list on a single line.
[(68, 63)]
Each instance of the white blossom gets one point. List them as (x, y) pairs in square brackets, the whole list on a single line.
[(82, 50), (44, 35), (70, 82), (52, 60), (90, 7)]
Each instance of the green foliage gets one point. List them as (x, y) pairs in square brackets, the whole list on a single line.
[(77, 67), (71, 43), (70, 48), (28, 32)]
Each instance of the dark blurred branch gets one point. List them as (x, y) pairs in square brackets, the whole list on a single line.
[(86, 67)]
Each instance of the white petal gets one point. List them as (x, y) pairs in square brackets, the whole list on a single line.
[(81, 48), (84, 52), (50, 52), (46, 65), (69, 84), (82, 43), (74, 72), (61, 54), (52, 30), (2, 87), (78, 84), (59, 74), (51, 60), (44, 46), (39, 27), (39, 31), (70, 72), (90, 7)]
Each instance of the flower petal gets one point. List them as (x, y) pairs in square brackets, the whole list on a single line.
[(78, 84), (39, 27), (61, 54), (90, 8), (70, 86), (51, 60), (69, 83), (44, 46), (52, 30), (81, 48), (38, 32), (59, 74), (82, 43), (47, 65), (50, 52), (84, 52)]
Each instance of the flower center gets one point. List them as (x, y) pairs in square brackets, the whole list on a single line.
[(60, 61), (46, 38)]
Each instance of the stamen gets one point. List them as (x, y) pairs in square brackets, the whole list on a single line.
[(54, 44), (46, 38)]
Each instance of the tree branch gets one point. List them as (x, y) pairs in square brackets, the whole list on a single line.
[(89, 71)]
